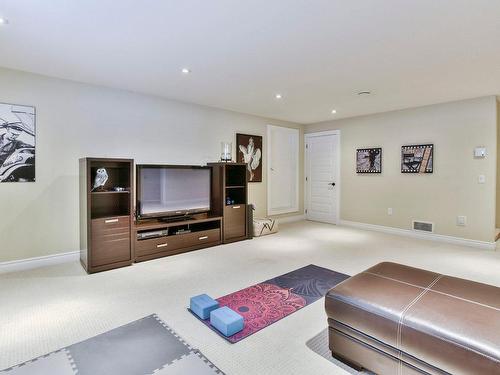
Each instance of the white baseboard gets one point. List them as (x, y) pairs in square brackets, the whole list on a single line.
[(30, 263), (422, 235), (289, 219)]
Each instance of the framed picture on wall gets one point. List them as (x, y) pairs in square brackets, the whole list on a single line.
[(369, 160), (417, 159), (17, 143), (249, 149)]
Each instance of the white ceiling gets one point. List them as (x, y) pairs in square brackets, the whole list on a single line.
[(316, 53)]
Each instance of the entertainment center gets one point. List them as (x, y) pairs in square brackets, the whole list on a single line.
[(177, 209)]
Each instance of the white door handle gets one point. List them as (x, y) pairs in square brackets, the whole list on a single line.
[(236, 206), (162, 245), (110, 221), (203, 238)]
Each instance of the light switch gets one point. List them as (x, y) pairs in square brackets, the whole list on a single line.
[(481, 179), (462, 220), (389, 211), (480, 152)]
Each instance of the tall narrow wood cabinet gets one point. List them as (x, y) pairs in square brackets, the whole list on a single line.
[(230, 199), (106, 214)]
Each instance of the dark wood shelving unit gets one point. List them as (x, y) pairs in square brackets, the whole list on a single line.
[(229, 180), (106, 216)]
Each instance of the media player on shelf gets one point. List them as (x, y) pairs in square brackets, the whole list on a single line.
[(182, 231), (152, 234)]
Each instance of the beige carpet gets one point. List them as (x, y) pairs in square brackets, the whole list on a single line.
[(46, 309)]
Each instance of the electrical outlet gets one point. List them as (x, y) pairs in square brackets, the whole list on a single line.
[(389, 211), (462, 221), (481, 179)]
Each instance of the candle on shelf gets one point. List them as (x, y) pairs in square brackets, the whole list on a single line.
[(226, 149)]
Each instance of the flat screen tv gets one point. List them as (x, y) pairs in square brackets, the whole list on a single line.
[(172, 190)]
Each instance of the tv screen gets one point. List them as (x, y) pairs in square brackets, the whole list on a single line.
[(172, 190)]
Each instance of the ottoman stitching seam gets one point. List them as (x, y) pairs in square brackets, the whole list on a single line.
[(435, 291), (401, 319)]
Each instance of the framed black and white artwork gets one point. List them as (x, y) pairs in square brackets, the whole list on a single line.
[(417, 159), (249, 149), (369, 160), (17, 143)]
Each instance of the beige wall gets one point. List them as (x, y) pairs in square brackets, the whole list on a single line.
[(452, 190), (76, 120)]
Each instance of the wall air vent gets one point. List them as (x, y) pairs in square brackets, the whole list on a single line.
[(423, 226)]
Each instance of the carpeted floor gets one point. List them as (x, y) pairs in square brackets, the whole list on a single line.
[(47, 309), (319, 345)]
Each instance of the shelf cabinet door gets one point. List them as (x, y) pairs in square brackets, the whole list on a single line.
[(234, 221), (110, 240)]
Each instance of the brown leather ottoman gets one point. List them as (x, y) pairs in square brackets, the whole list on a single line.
[(394, 319)]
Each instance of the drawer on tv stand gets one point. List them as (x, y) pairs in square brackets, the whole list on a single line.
[(157, 245), (176, 242), (201, 237)]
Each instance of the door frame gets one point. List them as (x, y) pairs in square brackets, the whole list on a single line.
[(295, 207), (338, 184)]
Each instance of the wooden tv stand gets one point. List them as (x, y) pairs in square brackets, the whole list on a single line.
[(201, 231)]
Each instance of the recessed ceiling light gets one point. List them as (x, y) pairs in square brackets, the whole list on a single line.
[(278, 96), (3, 21), (334, 111), (185, 71), (366, 92)]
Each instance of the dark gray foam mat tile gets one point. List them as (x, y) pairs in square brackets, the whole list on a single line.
[(139, 347)]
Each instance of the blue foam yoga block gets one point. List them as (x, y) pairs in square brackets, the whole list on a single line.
[(226, 321), (202, 305)]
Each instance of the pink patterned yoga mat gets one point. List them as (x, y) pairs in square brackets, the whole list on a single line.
[(265, 303)]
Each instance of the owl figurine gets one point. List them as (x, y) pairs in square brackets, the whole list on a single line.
[(100, 179)]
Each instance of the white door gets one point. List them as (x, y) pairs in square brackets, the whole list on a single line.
[(283, 170), (322, 172)]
